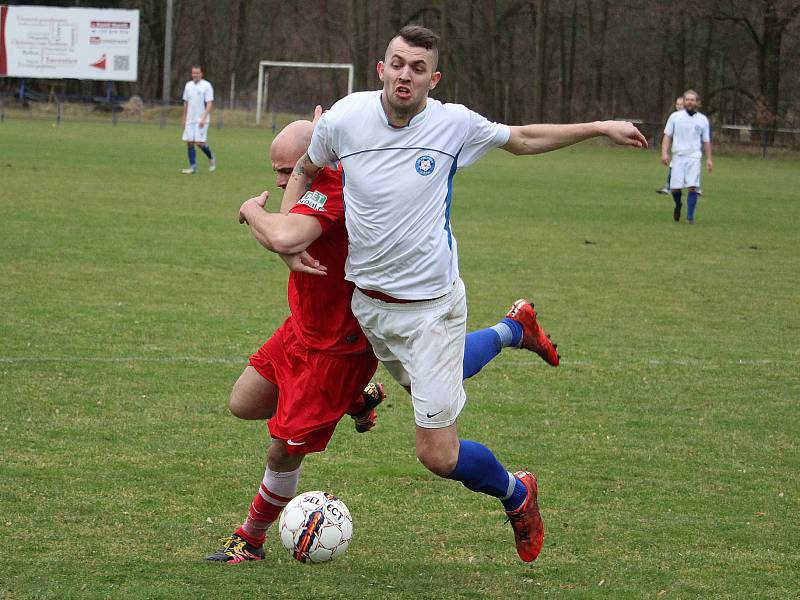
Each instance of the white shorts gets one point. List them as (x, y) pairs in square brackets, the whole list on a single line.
[(194, 133), (422, 345), (685, 173)]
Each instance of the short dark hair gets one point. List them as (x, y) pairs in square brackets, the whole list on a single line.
[(422, 37)]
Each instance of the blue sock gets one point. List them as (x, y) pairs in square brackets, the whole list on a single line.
[(691, 200), (481, 346), (207, 151), (192, 156), (516, 331), (478, 470), (676, 196)]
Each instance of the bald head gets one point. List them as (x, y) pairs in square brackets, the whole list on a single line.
[(287, 148)]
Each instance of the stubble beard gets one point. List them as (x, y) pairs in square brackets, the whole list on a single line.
[(403, 112)]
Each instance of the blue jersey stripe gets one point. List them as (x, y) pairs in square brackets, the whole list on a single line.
[(398, 148), (449, 199)]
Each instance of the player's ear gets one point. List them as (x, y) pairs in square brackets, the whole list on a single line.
[(435, 80), (380, 70)]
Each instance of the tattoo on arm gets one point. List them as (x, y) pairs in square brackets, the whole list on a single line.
[(300, 169)]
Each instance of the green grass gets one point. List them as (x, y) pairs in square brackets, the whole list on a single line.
[(666, 444)]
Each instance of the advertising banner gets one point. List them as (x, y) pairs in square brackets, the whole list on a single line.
[(69, 43)]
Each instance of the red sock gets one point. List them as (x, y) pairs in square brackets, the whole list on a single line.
[(275, 492)]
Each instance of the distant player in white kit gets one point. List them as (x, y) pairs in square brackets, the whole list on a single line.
[(689, 135), (198, 100)]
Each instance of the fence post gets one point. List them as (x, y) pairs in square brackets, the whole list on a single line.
[(764, 142)]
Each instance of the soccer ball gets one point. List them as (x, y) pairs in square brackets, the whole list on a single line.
[(315, 527)]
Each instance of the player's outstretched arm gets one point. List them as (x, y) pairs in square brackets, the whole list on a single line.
[(299, 182), (282, 233), (539, 138)]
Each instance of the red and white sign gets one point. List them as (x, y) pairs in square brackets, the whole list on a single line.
[(69, 43)]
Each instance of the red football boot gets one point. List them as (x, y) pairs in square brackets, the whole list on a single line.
[(526, 520), (373, 395), (533, 336)]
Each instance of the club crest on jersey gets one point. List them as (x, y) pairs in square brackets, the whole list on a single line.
[(425, 165), (314, 200)]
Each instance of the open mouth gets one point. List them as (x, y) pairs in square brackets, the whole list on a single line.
[(402, 92)]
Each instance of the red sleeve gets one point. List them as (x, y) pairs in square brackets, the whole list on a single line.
[(324, 199)]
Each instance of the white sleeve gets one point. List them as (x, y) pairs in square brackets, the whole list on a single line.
[(706, 132), (670, 128), (185, 93), (209, 95), (321, 149), (483, 135)]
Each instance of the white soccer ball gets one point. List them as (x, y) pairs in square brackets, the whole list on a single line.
[(315, 527)]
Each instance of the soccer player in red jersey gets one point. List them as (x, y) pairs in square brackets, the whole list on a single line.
[(319, 359), (314, 369)]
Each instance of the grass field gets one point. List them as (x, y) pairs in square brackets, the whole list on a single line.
[(667, 444)]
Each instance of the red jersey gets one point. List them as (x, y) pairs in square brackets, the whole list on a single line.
[(320, 305)]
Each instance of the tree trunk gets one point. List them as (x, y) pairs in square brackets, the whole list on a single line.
[(396, 19), (540, 81), (662, 70), (770, 64), (444, 49), (234, 8), (597, 34), (494, 99), (706, 62), (359, 46), (567, 62), (680, 63)]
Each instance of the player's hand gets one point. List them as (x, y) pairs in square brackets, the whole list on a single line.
[(303, 262), (665, 159), (317, 114), (624, 133), (709, 164), (259, 201)]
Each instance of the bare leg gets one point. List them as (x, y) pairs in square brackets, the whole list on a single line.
[(253, 397)]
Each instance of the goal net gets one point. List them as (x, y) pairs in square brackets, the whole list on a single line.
[(281, 87)]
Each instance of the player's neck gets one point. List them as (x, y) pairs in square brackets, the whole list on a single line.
[(401, 118)]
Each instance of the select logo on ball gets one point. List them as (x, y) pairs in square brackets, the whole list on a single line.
[(315, 527)]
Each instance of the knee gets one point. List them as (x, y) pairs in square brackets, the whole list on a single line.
[(440, 461), (245, 405), (236, 406), (279, 459)]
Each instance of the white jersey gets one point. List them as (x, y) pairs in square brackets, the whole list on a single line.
[(196, 95), (688, 133), (397, 184)]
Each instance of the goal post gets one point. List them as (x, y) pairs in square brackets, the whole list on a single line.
[(263, 77)]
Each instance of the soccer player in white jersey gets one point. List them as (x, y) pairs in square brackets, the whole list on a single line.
[(665, 190), (399, 151), (689, 135), (198, 100)]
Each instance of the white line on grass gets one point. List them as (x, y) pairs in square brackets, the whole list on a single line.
[(241, 360), (125, 359)]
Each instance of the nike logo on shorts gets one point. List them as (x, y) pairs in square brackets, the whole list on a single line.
[(292, 443), (430, 416)]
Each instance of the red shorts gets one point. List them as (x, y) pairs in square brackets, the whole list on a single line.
[(315, 389)]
